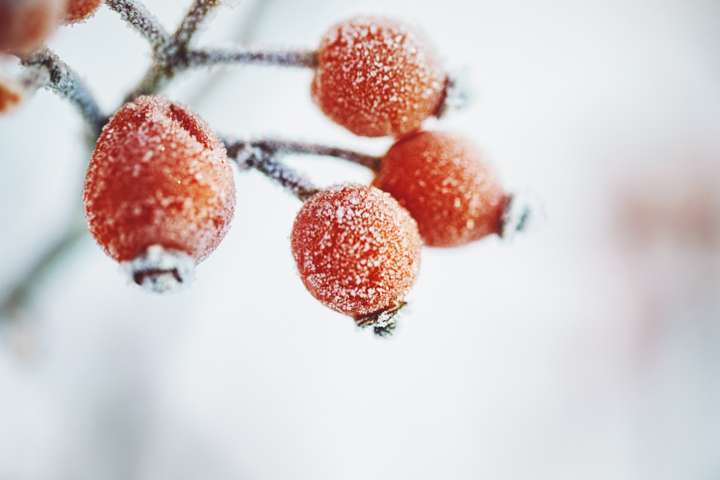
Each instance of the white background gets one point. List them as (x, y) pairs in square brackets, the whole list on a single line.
[(582, 351)]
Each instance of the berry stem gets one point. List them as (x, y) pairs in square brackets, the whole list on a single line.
[(136, 14), (245, 31), (218, 56), (190, 24), (251, 155), (65, 82), (284, 147)]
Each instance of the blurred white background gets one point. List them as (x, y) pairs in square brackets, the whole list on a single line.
[(587, 350)]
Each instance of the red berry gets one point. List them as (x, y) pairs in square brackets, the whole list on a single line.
[(11, 95), (357, 250), (25, 25), (79, 10), (159, 178), (377, 77), (446, 186)]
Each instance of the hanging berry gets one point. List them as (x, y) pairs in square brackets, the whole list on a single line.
[(25, 25), (79, 10), (159, 192), (447, 187), (377, 77), (358, 252)]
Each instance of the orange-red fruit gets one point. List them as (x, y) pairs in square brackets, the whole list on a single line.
[(446, 185), (25, 25), (79, 10), (377, 77), (357, 250), (10, 95), (158, 177)]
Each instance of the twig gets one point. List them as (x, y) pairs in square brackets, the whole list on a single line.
[(217, 56), (279, 146), (23, 290), (66, 83), (250, 155), (139, 17), (190, 24)]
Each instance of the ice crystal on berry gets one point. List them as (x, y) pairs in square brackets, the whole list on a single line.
[(446, 186), (377, 77), (357, 250), (158, 176)]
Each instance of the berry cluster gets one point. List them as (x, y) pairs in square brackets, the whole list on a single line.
[(160, 195)]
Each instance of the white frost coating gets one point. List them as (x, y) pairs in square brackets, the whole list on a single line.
[(160, 271), (522, 212), (458, 93)]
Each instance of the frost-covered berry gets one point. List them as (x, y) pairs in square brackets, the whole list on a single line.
[(25, 25), (377, 77), (159, 192), (446, 185), (79, 10), (11, 94), (358, 252)]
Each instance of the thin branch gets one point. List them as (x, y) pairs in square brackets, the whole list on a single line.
[(192, 21), (23, 290), (217, 56), (65, 82), (139, 17), (248, 155), (245, 32), (278, 146)]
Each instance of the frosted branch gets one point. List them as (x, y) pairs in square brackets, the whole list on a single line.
[(249, 155), (218, 56), (278, 146), (66, 83), (139, 17), (192, 21)]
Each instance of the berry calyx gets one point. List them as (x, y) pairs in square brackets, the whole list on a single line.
[(377, 77), (446, 185), (159, 181), (358, 252), (79, 10), (25, 25)]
